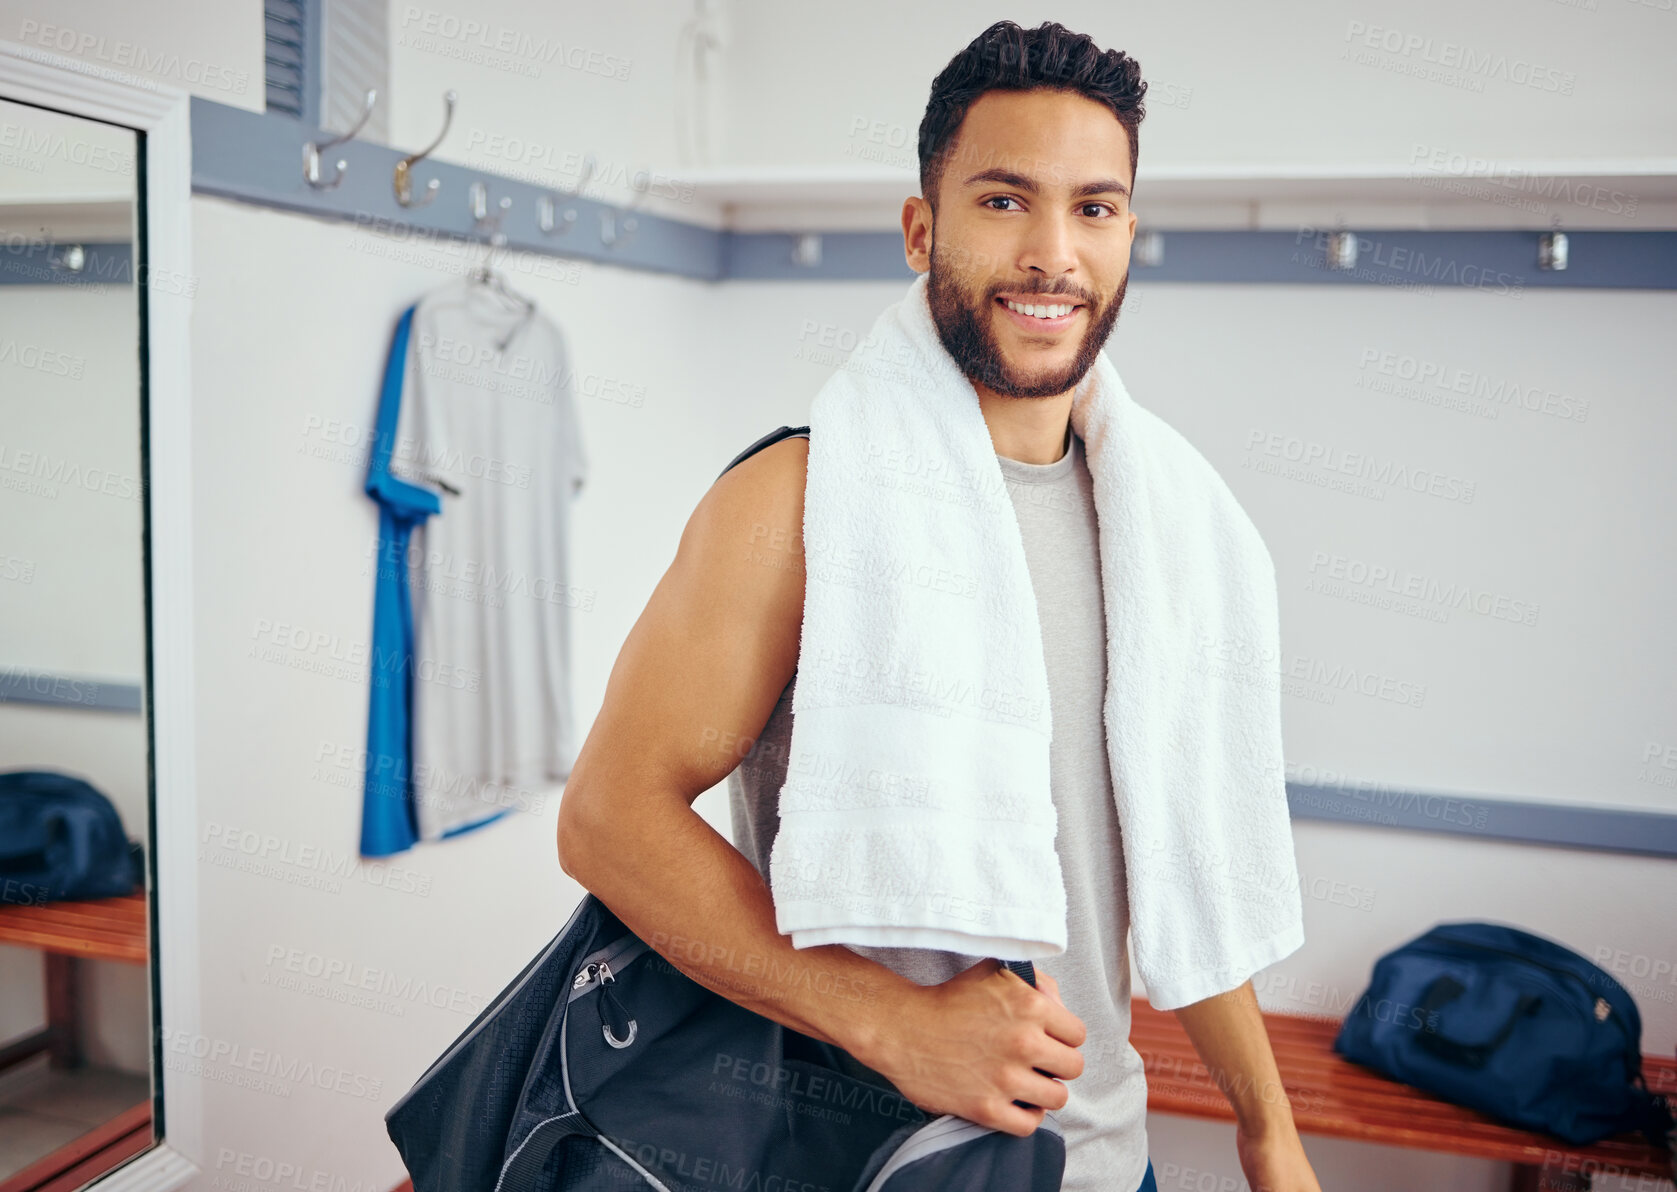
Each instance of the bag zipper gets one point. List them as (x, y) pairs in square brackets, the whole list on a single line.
[(597, 966), (590, 972)]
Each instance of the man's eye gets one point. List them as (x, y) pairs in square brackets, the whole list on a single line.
[(1000, 199)]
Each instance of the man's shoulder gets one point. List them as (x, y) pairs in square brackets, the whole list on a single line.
[(766, 478), (754, 510)]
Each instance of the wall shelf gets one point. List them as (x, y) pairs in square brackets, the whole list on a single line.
[(1459, 194)]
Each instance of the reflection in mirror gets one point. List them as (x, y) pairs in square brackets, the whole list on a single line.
[(75, 1014)]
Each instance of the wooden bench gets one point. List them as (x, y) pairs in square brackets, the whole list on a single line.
[(97, 929), (67, 933), (1333, 1097)]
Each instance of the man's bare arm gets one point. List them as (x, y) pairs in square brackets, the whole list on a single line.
[(696, 679), (1228, 1032)]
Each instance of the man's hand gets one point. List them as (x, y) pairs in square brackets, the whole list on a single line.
[(1274, 1161), (974, 1044)]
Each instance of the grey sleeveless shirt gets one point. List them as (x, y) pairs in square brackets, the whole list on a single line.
[(1105, 1119)]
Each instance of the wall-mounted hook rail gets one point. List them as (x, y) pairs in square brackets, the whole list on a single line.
[(311, 150), (248, 157), (404, 168)]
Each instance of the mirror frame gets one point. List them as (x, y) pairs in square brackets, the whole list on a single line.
[(160, 114)]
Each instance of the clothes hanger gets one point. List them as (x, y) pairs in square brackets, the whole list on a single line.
[(493, 282)]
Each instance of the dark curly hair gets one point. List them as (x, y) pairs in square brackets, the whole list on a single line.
[(1006, 57)]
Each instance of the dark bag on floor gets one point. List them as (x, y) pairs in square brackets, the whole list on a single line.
[(61, 839), (602, 1066), (1513, 1025)]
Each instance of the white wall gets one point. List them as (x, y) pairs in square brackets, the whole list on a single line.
[(213, 50), (1232, 83), (291, 323), (540, 87)]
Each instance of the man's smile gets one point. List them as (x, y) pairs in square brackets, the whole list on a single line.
[(1039, 314)]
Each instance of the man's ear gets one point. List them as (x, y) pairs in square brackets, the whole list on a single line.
[(917, 233)]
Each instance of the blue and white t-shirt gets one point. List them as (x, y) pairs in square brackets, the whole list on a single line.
[(484, 456)]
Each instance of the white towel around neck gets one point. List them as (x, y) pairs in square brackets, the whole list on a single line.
[(916, 810)]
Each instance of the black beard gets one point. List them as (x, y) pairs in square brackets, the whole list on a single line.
[(971, 341)]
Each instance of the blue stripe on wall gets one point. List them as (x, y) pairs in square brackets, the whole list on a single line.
[(108, 264), (256, 157), (68, 691), (1497, 262), (1489, 818)]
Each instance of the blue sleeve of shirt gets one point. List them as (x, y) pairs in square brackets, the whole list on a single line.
[(387, 812)]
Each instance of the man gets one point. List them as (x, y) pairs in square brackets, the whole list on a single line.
[(1028, 152)]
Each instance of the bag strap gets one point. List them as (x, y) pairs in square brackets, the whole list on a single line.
[(774, 436), (524, 1168), (1024, 969)]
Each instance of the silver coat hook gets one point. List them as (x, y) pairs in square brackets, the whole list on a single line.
[(311, 151), (1551, 250), (404, 168), (491, 224), (485, 222), (545, 207), (609, 235)]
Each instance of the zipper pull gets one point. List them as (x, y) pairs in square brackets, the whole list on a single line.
[(586, 975), (1602, 1009), (618, 1027)]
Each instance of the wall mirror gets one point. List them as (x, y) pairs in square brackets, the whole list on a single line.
[(75, 1012), (92, 324)]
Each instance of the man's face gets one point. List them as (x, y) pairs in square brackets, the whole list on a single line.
[(1033, 206)]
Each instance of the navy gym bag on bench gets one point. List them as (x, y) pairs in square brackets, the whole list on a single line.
[(602, 1066), (1513, 1025), (61, 840)]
